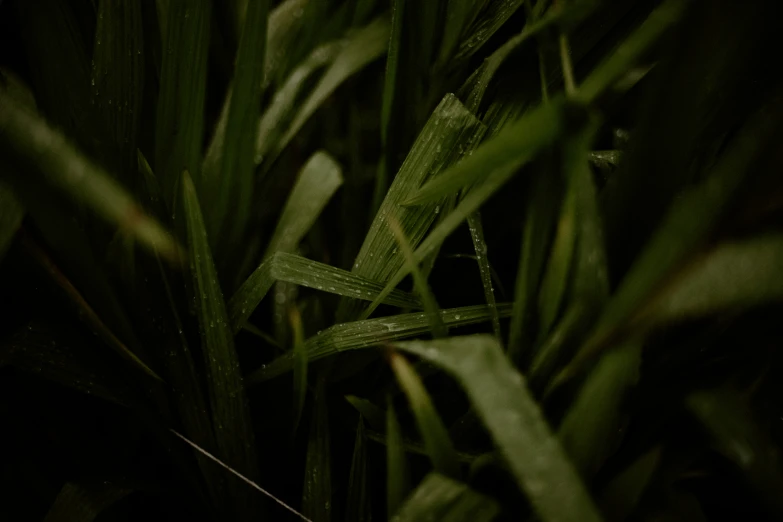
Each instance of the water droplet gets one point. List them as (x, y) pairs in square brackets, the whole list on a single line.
[(457, 317)]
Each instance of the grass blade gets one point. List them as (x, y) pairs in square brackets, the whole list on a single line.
[(369, 411), (83, 502), (515, 422), (317, 494), (231, 183), (397, 474), (118, 78), (621, 496), (685, 226), (450, 132), (358, 503), (443, 499), (230, 415), (431, 307), (59, 164), (486, 24), (297, 270), (436, 437), (278, 114), (365, 46), (318, 181), (733, 276), (180, 118), (285, 22), (374, 332), (589, 430), (485, 271)]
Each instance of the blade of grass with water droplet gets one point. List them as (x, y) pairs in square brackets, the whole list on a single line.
[(297, 270), (358, 507), (118, 79), (515, 423), (433, 432), (230, 180), (431, 307), (83, 502), (230, 415), (318, 180), (363, 47), (492, 17), (317, 494), (180, 112), (397, 471), (61, 166), (373, 332), (443, 499), (450, 132), (476, 228)]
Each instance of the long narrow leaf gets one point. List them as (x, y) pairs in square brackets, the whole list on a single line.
[(318, 181), (317, 495), (436, 437), (515, 422), (358, 502), (440, 498), (397, 474), (83, 502), (62, 166), (180, 115), (297, 270), (373, 332), (231, 418)]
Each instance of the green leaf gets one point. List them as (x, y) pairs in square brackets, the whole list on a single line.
[(83, 502), (297, 270), (515, 145), (392, 61), (450, 132), (365, 46), (485, 271), (27, 137), (553, 353), (369, 411), (431, 307), (318, 180), (373, 332), (230, 180), (284, 26), (118, 78), (230, 414), (180, 113), (281, 108), (540, 217), (590, 430), (317, 494), (486, 24), (300, 366), (734, 275), (443, 499), (436, 437), (397, 473), (358, 502), (686, 225), (515, 423), (417, 447)]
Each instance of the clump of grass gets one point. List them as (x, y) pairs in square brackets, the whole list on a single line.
[(220, 220)]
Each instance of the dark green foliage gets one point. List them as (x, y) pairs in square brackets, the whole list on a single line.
[(458, 260)]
